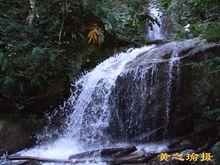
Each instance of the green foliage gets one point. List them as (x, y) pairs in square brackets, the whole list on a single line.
[(203, 15), (212, 114), (120, 17), (209, 67), (209, 71), (179, 34), (212, 31), (27, 75), (41, 65), (3, 62), (37, 60)]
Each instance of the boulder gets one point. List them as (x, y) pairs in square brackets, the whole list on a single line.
[(12, 137), (160, 88), (216, 153)]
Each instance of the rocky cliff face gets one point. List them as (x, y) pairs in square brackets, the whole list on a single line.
[(160, 95)]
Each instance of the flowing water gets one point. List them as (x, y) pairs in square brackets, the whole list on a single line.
[(155, 32), (173, 62), (89, 113), (85, 126), (144, 97)]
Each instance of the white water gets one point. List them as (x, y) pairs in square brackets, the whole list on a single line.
[(90, 109), (90, 117), (155, 33), (93, 116), (173, 62)]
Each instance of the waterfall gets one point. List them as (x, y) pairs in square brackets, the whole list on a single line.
[(173, 62), (90, 115), (155, 32), (127, 99)]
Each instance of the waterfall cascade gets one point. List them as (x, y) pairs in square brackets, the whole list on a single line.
[(98, 98), (127, 99), (173, 63), (91, 111), (144, 97), (155, 32), (90, 117)]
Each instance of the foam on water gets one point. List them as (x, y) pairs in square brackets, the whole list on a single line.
[(155, 32), (84, 123)]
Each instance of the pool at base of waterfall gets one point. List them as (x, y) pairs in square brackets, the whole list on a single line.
[(63, 148)]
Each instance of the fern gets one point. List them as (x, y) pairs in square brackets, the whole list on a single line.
[(95, 35)]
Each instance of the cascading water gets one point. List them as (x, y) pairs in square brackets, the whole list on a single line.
[(173, 62), (91, 108), (146, 94), (125, 99), (155, 32), (90, 117)]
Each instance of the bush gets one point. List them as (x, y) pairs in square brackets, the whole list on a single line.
[(203, 15), (212, 31), (24, 76), (38, 57)]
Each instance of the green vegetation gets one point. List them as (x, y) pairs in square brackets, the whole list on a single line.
[(45, 43), (203, 15), (204, 18), (210, 71)]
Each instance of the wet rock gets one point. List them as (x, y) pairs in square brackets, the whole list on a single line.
[(23, 163), (185, 143), (6, 105), (185, 152), (12, 137), (216, 152), (31, 163), (159, 88)]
